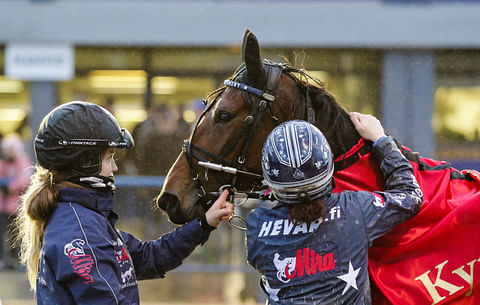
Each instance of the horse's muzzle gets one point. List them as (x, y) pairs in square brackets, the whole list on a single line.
[(171, 205)]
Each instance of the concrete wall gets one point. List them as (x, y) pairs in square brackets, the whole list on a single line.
[(358, 24)]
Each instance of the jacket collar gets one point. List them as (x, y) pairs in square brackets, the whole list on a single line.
[(99, 201)]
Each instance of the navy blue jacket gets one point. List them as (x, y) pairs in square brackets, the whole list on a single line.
[(85, 260), (326, 262)]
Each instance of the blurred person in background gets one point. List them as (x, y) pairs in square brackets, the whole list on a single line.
[(66, 223), (312, 247), (158, 140), (156, 147), (15, 169), (109, 104), (193, 110)]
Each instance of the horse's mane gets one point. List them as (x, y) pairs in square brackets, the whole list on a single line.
[(330, 117)]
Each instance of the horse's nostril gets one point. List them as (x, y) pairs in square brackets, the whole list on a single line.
[(171, 205), (163, 199)]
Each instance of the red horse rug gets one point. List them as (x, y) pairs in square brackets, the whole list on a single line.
[(434, 258)]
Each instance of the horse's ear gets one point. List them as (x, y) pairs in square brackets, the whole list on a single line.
[(244, 42), (253, 61)]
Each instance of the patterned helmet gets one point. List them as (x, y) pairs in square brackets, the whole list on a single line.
[(73, 136), (297, 162)]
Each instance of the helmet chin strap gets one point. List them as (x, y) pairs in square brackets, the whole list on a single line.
[(95, 182)]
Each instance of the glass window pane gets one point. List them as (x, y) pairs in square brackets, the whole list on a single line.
[(457, 108)]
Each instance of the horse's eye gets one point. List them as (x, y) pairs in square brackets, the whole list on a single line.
[(224, 116)]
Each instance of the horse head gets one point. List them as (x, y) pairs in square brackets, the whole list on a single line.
[(232, 129)]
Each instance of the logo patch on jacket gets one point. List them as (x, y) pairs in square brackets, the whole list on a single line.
[(378, 202), (124, 261), (81, 263), (305, 264), (122, 255)]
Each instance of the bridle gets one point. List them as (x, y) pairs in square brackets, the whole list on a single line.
[(258, 100)]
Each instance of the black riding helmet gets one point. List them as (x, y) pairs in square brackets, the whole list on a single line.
[(73, 136)]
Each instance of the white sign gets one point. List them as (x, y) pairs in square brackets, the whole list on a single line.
[(39, 62)]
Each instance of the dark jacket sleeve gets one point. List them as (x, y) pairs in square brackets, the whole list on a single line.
[(152, 259), (402, 197)]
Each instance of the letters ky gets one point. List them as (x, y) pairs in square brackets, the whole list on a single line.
[(466, 274)]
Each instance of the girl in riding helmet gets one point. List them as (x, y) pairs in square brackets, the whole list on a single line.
[(69, 243), (312, 247)]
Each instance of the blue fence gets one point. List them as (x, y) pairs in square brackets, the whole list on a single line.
[(139, 181), (124, 181)]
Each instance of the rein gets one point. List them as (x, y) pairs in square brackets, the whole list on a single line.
[(258, 100)]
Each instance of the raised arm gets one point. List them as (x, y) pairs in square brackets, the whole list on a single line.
[(402, 196)]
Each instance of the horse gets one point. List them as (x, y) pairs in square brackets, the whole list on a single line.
[(184, 198), (261, 94)]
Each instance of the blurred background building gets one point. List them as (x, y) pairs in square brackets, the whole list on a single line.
[(415, 64)]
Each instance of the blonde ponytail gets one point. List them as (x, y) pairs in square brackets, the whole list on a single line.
[(37, 205)]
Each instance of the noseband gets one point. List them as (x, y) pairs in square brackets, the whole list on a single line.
[(258, 101)]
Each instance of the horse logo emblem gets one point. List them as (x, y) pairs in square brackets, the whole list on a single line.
[(282, 265), (74, 248), (127, 275), (379, 202)]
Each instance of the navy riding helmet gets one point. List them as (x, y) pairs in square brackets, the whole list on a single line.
[(73, 136), (297, 162)]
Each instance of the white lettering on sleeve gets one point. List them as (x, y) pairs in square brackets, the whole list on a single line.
[(314, 225), (300, 228), (265, 228), (277, 226), (287, 226), (332, 213)]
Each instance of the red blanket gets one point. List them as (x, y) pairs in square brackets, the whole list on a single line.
[(434, 258)]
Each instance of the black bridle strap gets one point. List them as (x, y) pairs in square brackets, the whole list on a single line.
[(202, 155), (258, 100), (196, 179), (273, 80), (310, 111), (243, 131), (260, 109), (260, 103)]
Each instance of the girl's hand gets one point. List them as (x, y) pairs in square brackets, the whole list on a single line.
[(220, 210), (368, 126)]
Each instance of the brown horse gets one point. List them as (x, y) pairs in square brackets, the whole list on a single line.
[(442, 239), (236, 122)]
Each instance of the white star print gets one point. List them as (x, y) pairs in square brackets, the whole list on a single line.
[(350, 278), (272, 292)]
